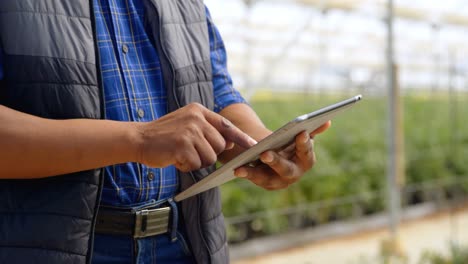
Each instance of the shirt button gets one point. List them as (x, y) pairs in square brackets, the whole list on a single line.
[(141, 113), (124, 48), (150, 176)]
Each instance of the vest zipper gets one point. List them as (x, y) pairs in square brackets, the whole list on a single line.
[(176, 99), (163, 48)]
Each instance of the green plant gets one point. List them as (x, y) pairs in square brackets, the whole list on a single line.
[(352, 158), (458, 255)]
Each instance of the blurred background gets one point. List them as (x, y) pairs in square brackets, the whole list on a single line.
[(391, 182)]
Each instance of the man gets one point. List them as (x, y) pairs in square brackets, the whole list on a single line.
[(139, 87)]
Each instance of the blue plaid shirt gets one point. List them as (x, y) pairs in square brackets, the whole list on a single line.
[(134, 91)]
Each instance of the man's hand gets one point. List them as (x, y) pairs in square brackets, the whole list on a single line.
[(280, 169), (190, 138)]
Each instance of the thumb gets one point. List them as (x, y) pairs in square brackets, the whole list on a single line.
[(321, 129)]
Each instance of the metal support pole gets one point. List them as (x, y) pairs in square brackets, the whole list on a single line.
[(436, 57), (322, 48), (392, 178), (249, 87), (453, 146), (453, 108)]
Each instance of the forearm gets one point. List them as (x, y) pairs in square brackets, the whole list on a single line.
[(245, 118), (33, 147)]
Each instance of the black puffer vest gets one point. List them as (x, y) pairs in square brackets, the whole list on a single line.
[(51, 70)]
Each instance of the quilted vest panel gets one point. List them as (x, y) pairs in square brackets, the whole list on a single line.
[(50, 68), (49, 71)]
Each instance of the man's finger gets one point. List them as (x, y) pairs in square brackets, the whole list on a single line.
[(229, 131), (188, 160), (206, 153), (229, 145), (304, 151), (321, 129), (282, 166), (262, 176), (215, 139)]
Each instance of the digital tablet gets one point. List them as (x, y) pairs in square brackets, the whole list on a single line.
[(279, 139)]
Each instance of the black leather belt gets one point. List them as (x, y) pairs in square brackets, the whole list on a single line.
[(139, 224)]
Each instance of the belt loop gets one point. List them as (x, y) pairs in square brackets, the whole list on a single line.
[(175, 218)]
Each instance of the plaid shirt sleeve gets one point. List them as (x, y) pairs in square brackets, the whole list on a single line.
[(224, 92)]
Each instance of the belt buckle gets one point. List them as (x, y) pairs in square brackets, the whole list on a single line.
[(151, 222)]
